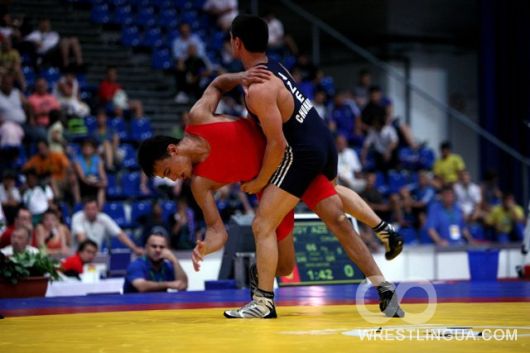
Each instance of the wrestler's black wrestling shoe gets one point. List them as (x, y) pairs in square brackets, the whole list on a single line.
[(392, 241), (389, 301)]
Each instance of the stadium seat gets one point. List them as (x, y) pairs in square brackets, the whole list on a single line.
[(426, 158), (130, 36), (169, 208), (90, 123), (397, 180), (130, 184), (141, 129), (129, 160), (29, 75), (409, 234), (146, 16), (116, 211), (168, 18), (100, 14), (52, 75), (161, 59), (152, 37), (139, 209), (123, 15), (113, 190), (120, 127), (380, 183)]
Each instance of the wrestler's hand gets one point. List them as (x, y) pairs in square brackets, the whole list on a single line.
[(198, 255), (253, 186), (256, 74)]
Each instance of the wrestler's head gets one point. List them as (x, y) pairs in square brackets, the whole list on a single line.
[(161, 156), (248, 33)]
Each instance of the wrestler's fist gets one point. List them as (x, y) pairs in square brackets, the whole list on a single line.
[(253, 186)]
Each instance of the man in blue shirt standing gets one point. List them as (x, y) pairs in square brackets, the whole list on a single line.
[(157, 271)]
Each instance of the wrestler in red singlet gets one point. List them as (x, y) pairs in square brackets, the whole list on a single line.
[(236, 153)]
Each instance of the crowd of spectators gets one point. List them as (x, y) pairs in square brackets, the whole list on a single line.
[(55, 164)]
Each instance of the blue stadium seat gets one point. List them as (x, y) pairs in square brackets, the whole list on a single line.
[(100, 14), (146, 16), (168, 18), (29, 75), (139, 209), (163, 5), (141, 129), (52, 75), (129, 160), (119, 126), (190, 16), (161, 59), (426, 158), (217, 40), (380, 182), (118, 3), (409, 234), (113, 189), (116, 211), (328, 85), (397, 180), (152, 37), (123, 15), (408, 158), (90, 123), (169, 208), (130, 184), (130, 36)]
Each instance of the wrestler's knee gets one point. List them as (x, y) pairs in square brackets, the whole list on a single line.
[(261, 227)]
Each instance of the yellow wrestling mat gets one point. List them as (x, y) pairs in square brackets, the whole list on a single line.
[(329, 329)]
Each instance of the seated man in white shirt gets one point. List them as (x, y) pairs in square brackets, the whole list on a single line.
[(20, 240), (90, 223), (349, 166)]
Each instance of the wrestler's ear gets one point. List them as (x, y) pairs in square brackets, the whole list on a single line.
[(172, 149)]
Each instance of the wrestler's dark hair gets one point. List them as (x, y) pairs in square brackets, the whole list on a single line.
[(85, 243), (154, 149), (253, 32)]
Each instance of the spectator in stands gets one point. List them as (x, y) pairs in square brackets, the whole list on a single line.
[(11, 137), (9, 27), (445, 221), (20, 242), (43, 44), (319, 103), (507, 219), (113, 96), (12, 102), (86, 253), (10, 62), (373, 196), (184, 40), (108, 140), (47, 163), (361, 89), (278, 40), (90, 172), (56, 138), (491, 193), (308, 70), (349, 166), (468, 196), (9, 193), (183, 226), (345, 121), (92, 224), (157, 271), (22, 219), (52, 235), (37, 195), (381, 142), (154, 223), (191, 74), (449, 164), (67, 92), (47, 44), (223, 12), (422, 196), (42, 103)]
